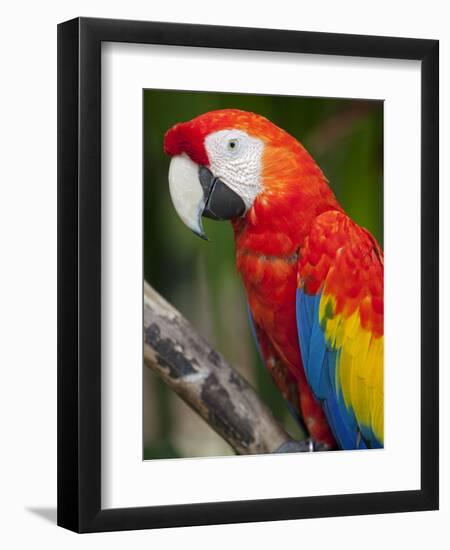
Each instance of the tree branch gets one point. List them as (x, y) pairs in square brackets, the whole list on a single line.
[(202, 378)]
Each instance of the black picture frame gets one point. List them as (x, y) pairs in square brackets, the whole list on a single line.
[(79, 274)]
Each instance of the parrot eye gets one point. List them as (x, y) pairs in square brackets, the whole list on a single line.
[(232, 145)]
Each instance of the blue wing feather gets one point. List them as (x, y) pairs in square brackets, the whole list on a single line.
[(320, 363), (255, 338)]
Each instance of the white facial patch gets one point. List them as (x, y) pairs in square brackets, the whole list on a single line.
[(236, 158)]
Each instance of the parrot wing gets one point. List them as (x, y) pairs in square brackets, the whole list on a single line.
[(339, 307)]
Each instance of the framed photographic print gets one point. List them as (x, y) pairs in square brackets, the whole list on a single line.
[(248, 275)]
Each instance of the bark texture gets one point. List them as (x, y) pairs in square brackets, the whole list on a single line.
[(203, 379)]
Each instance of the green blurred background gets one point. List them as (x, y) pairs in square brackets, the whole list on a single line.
[(344, 136)]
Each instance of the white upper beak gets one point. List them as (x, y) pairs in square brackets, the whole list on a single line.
[(186, 192)]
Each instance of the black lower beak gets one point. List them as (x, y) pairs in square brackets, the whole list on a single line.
[(221, 202)]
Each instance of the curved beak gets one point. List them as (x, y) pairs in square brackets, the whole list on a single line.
[(195, 192)]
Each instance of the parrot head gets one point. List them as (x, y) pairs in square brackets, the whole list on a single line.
[(232, 164)]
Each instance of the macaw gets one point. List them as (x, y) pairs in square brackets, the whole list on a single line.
[(313, 277)]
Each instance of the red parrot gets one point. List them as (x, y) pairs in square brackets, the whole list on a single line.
[(313, 277)]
